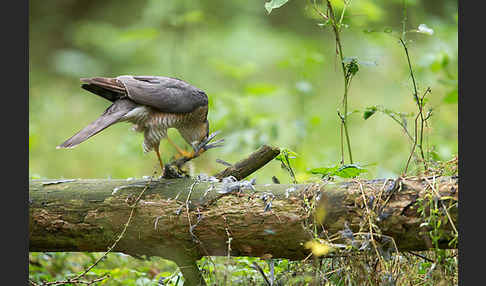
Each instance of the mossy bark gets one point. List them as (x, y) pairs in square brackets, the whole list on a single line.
[(87, 215)]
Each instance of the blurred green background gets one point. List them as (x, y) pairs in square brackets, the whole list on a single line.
[(271, 79)]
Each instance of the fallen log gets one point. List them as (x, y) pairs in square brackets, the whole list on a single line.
[(185, 219)]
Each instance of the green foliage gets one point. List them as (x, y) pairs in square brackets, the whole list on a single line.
[(434, 213), (369, 112), (325, 170), (351, 66), (284, 157), (350, 171), (343, 171), (121, 269)]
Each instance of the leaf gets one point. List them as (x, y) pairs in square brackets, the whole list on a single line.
[(422, 28), (369, 112), (352, 66), (324, 170), (350, 171), (423, 267), (286, 153), (345, 171), (274, 4)]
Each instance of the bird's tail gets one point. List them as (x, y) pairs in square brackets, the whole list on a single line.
[(108, 88), (112, 115)]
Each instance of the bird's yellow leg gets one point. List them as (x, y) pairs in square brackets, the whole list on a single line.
[(160, 160), (181, 151)]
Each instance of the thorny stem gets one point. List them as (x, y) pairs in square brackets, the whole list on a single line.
[(345, 123), (413, 147), (420, 105), (422, 122), (415, 92), (339, 50)]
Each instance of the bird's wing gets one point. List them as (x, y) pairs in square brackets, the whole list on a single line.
[(163, 93), (111, 115)]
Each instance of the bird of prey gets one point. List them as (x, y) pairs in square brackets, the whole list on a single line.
[(153, 104)]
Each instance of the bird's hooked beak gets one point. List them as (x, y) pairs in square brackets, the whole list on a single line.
[(204, 140)]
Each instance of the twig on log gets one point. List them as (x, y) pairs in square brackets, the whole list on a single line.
[(252, 163)]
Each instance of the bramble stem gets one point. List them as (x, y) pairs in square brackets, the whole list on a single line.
[(420, 104), (347, 81)]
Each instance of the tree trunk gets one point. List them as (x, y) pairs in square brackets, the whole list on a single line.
[(270, 220)]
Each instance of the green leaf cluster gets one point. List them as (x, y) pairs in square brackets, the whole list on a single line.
[(344, 171)]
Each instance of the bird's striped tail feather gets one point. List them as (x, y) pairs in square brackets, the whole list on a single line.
[(112, 115), (108, 88)]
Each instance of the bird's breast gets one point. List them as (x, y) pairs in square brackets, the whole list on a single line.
[(146, 118), (154, 124), (166, 120)]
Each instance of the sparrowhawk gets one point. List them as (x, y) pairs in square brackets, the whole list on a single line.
[(153, 104)]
